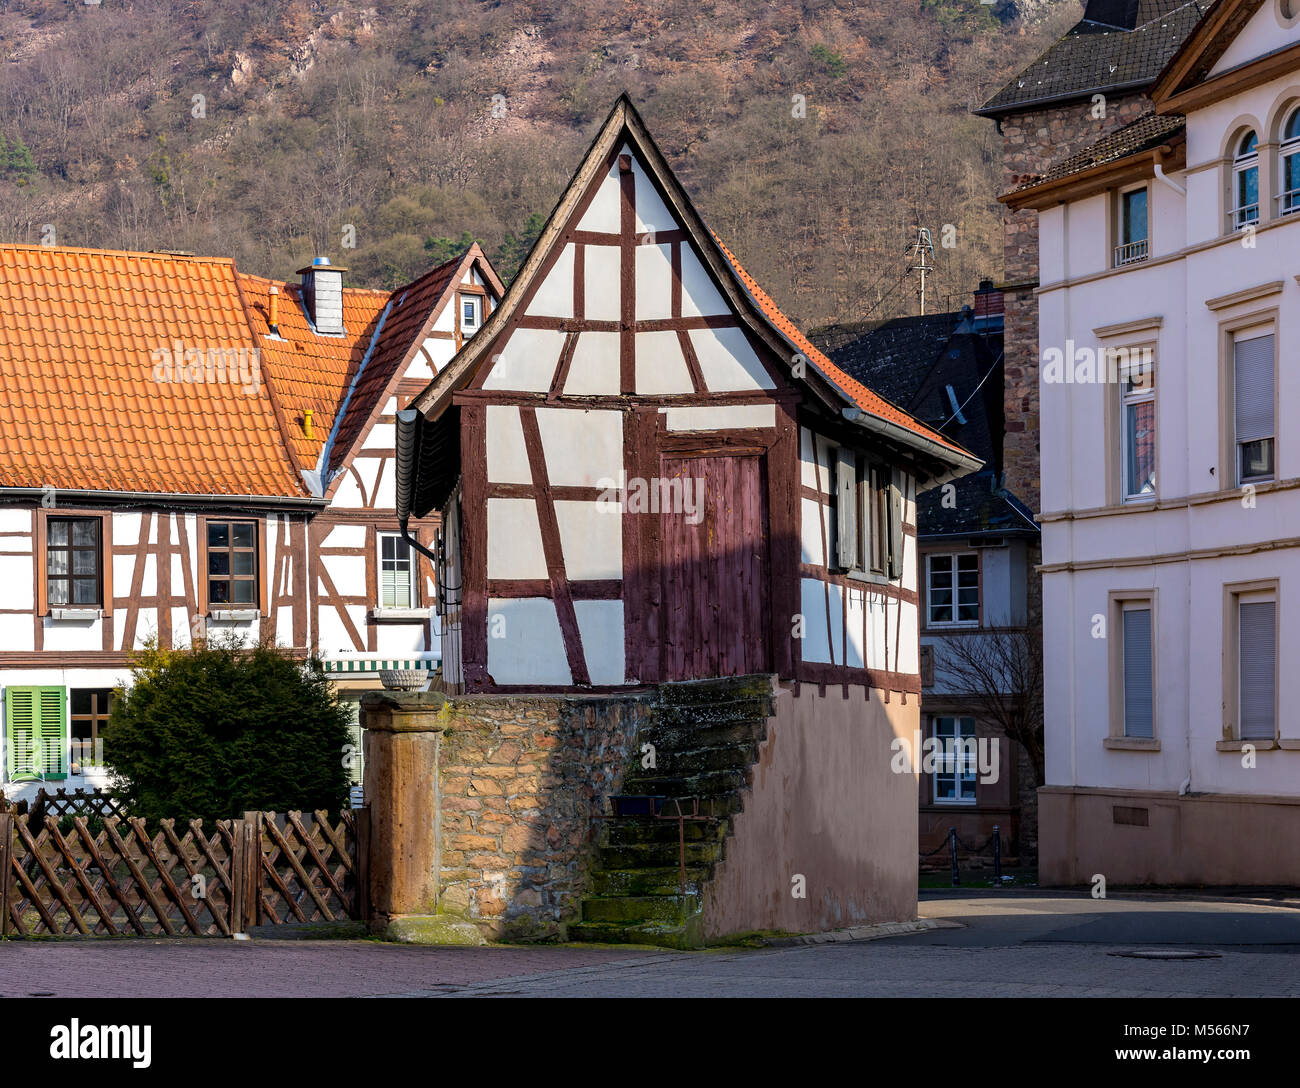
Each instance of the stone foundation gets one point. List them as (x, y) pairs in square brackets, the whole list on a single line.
[(522, 781)]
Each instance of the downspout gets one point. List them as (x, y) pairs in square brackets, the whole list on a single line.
[(406, 423), (1162, 176)]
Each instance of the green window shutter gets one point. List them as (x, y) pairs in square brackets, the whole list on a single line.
[(20, 729), (52, 730), (36, 731)]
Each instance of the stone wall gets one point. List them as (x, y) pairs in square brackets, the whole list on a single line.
[(522, 779), (1032, 142)]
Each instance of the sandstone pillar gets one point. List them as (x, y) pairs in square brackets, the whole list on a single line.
[(402, 731)]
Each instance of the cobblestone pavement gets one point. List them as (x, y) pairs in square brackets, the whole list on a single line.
[(1011, 945)]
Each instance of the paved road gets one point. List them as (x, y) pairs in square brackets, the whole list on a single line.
[(1036, 945)]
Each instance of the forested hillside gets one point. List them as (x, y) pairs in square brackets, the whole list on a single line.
[(386, 134)]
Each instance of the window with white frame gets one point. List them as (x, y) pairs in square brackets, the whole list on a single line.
[(1132, 228), (1254, 424), (1245, 181), (1256, 696), (1288, 198), (954, 766), (471, 314), (396, 572), (1138, 676), (952, 589), (1138, 424)]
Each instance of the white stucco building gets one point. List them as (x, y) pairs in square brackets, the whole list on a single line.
[(1169, 327)]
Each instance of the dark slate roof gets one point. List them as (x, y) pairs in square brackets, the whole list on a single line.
[(1117, 44), (915, 361), (882, 355), (1148, 131)]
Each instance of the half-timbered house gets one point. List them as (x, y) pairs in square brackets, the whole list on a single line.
[(186, 450), (648, 474)]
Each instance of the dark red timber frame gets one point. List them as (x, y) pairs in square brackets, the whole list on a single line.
[(836, 671), (645, 441)]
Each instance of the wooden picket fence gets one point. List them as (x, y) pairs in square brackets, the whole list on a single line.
[(125, 880)]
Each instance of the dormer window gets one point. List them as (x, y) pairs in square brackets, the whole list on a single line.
[(1289, 198), (1245, 182), (1133, 236)]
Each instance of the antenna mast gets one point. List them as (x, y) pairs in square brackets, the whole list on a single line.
[(919, 249)]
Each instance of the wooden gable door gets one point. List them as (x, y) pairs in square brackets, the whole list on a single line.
[(715, 563)]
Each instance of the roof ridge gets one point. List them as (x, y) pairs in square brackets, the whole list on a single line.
[(151, 254)]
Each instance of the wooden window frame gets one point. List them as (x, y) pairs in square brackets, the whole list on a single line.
[(205, 606), (1233, 593), (43, 515), (93, 717), (1117, 737)]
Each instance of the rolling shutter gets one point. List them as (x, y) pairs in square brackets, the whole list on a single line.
[(1253, 410), (1257, 674), (846, 510), (1139, 710), (36, 730), (895, 523)]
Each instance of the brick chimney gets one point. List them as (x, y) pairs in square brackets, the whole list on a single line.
[(989, 307), (322, 295)]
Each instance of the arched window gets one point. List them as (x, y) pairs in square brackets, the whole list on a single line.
[(1245, 182), (1289, 172)]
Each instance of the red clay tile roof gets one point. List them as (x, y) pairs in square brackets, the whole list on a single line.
[(86, 337), (307, 371), (854, 390), (411, 307)]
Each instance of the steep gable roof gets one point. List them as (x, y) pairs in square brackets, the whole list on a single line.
[(407, 321), (1115, 46), (837, 389)]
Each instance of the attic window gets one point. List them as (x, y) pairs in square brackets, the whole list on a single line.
[(471, 314)]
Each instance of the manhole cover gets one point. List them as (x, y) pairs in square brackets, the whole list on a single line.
[(1168, 954)]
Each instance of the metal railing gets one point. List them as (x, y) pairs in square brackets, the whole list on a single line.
[(1247, 215), (1131, 253)]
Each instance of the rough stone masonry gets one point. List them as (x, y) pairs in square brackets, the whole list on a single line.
[(523, 782)]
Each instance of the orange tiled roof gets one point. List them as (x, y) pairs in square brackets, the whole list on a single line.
[(308, 371), (87, 338), (863, 397)]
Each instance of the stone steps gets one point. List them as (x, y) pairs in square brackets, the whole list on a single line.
[(633, 830), (706, 736)]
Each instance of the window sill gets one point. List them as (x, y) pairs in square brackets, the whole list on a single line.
[(75, 614), (399, 615), (962, 625), (1132, 744), (234, 615), (965, 802), (1261, 745)]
